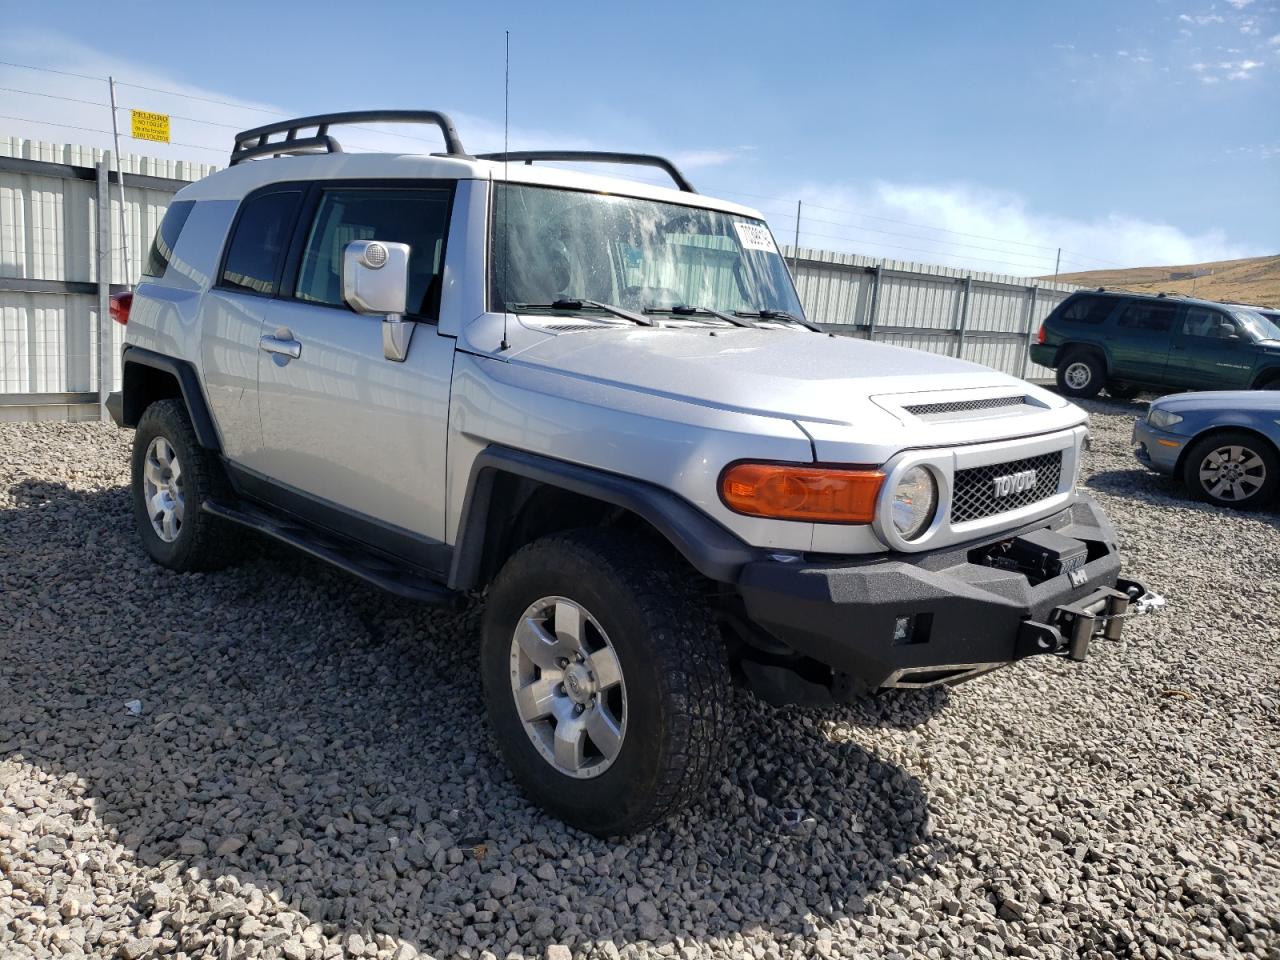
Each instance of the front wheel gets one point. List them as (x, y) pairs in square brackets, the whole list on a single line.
[(1232, 469), (605, 679)]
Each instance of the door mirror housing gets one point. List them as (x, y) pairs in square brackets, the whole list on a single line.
[(375, 280), (375, 276)]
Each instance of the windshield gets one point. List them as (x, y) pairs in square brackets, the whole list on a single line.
[(1259, 326), (566, 245)]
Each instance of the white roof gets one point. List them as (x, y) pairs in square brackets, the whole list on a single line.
[(234, 182)]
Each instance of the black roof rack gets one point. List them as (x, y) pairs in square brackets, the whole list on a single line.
[(596, 156), (255, 143)]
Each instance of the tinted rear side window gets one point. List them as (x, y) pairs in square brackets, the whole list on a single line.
[(167, 237), (260, 241), (1087, 309), (1154, 315)]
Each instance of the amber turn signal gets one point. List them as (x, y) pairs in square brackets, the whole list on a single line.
[(789, 492)]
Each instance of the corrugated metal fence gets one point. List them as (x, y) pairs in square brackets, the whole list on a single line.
[(58, 358), (56, 351), (984, 317)]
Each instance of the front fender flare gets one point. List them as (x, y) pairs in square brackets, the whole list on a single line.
[(710, 548)]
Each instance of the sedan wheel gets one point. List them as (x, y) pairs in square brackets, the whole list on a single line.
[(1233, 473), (1232, 468)]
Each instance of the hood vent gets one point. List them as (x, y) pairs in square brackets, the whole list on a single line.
[(964, 409)]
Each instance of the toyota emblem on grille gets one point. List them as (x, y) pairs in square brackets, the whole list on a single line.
[(1013, 483)]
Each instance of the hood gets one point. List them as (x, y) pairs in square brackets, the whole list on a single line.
[(1268, 400), (838, 389)]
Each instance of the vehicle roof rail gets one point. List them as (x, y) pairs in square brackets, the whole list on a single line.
[(595, 156), (251, 144)]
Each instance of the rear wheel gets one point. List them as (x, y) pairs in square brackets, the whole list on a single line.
[(605, 679), (1232, 469), (1081, 375), (173, 476)]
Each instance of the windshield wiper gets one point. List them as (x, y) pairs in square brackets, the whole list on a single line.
[(685, 310), (577, 304), (768, 314)]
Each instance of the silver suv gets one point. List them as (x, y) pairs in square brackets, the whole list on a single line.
[(598, 403)]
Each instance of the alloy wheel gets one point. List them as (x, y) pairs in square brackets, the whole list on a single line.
[(1233, 473), (162, 489), (568, 687), (1078, 375)]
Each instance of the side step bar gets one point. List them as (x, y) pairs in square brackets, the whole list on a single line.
[(368, 567)]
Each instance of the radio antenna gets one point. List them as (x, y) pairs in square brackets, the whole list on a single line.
[(506, 225)]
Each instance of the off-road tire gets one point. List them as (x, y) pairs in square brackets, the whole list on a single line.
[(1122, 391), (1070, 382), (1196, 453), (673, 664), (204, 542)]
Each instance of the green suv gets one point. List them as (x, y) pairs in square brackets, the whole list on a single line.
[(1126, 342)]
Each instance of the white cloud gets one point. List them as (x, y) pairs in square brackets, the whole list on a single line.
[(1200, 20), (1240, 4), (699, 159), (1242, 69), (884, 218)]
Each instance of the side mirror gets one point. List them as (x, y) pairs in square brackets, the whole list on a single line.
[(1227, 331), (375, 280)]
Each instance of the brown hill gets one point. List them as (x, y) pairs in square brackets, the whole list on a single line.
[(1255, 280)]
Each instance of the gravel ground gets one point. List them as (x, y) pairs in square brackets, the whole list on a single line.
[(306, 771)]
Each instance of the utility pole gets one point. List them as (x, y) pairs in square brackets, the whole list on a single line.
[(1057, 263), (115, 134)]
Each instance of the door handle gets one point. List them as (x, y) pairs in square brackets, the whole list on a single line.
[(291, 349)]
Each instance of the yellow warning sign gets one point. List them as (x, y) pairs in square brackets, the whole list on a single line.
[(150, 126)]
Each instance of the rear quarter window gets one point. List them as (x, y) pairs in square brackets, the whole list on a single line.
[(175, 218), (1086, 309), (259, 242)]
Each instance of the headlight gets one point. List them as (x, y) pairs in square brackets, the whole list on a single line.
[(915, 500), (1162, 419)]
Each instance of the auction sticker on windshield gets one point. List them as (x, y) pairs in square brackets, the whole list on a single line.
[(754, 236)]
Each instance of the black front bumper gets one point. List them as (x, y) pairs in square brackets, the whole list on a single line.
[(936, 617)]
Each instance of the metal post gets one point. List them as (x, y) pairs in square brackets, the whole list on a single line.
[(795, 250), (1057, 263), (873, 312), (115, 134), (1031, 327), (104, 287), (964, 315)]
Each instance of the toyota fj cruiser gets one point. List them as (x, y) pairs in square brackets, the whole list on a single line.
[(598, 403)]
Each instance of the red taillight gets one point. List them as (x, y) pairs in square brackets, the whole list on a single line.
[(1040, 336), (120, 304)]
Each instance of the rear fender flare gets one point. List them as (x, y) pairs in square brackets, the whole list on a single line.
[(188, 382)]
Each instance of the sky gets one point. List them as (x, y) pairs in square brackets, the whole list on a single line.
[(981, 135)]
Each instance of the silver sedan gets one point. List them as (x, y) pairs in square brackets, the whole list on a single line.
[(1224, 445)]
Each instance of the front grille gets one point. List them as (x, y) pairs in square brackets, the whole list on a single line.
[(964, 406), (975, 495)]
